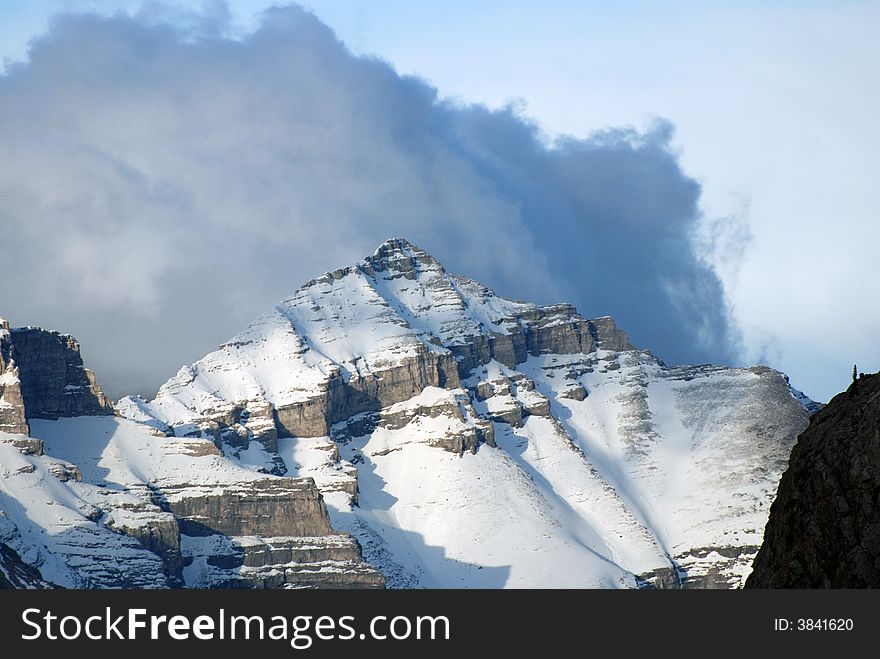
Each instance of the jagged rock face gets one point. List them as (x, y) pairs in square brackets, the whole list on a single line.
[(25, 445), (52, 381), (12, 415), (824, 526), (156, 530), (432, 413)]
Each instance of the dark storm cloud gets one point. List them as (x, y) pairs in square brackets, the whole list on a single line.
[(160, 188)]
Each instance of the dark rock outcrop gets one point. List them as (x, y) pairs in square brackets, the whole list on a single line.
[(269, 533), (556, 329), (824, 526), (577, 392), (42, 377)]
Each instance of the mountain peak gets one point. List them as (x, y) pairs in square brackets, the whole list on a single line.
[(396, 246), (400, 254)]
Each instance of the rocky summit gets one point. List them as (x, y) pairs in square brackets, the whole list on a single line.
[(824, 526)]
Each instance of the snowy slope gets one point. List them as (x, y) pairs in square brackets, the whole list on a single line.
[(697, 452), (64, 527), (133, 467), (119, 453), (550, 453), (484, 519)]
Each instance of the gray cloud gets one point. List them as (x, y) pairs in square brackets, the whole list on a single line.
[(160, 189)]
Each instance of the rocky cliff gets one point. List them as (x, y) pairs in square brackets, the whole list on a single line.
[(456, 433), (824, 526), (54, 382), (42, 376)]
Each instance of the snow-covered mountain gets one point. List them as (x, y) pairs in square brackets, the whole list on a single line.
[(94, 500), (467, 440)]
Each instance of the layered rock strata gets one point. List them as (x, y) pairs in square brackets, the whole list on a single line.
[(42, 376)]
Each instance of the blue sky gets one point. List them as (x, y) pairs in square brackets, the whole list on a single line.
[(774, 106)]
